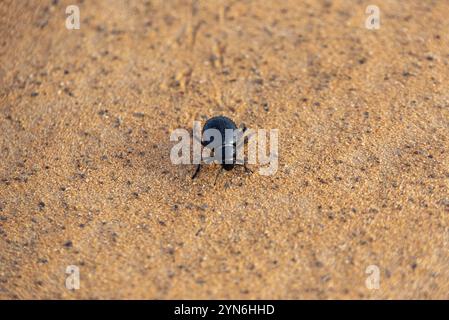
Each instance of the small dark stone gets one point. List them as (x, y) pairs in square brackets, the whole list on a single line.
[(41, 205), (34, 94), (138, 114), (200, 230), (406, 74), (68, 244)]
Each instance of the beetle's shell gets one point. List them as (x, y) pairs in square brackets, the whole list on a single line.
[(226, 151), (221, 123)]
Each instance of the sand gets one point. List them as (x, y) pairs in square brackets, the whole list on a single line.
[(86, 177)]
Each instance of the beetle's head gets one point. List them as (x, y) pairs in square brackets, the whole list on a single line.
[(228, 166)]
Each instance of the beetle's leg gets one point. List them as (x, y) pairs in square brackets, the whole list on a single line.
[(245, 138), (244, 129), (216, 177), (195, 137), (196, 171), (243, 163), (198, 139), (247, 170)]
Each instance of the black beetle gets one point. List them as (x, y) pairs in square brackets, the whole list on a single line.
[(228, 146)]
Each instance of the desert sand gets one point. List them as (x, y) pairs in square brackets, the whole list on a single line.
[(86, 177)]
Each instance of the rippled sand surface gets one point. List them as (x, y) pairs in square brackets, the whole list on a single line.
[(85, 172)]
